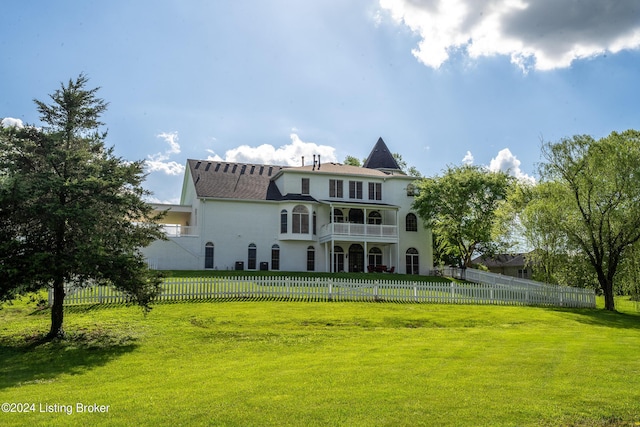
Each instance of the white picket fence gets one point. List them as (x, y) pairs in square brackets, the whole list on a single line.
[(333, 289)]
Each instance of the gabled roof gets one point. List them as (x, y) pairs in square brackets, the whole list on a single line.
[(234, 180), (380, 157)]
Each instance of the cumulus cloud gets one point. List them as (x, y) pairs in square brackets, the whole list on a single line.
[(11, 122), (468, 158), (540, 34), (505, 161), (160, 162), (288, 154)]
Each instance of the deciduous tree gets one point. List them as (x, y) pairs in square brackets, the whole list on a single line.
[(595, 196), (71, 212), (460, 207)]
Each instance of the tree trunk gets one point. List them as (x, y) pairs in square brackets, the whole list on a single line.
[(607, 290), (57, 312)]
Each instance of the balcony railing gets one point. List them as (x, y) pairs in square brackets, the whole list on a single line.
[(347, 229), (176, 230)]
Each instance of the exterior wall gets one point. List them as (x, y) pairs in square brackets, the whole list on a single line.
[(182, 253)]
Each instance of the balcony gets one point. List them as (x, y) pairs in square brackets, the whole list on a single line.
[(177, 230), (361, 232)]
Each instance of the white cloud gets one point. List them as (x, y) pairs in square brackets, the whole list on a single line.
[(468, 158), (159, 162), (505, 161), (11, 122), (288, 154), (541, 34)]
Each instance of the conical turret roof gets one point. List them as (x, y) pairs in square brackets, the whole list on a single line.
[(380, 157)]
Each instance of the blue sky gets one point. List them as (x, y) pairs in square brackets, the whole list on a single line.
[(269, 81)]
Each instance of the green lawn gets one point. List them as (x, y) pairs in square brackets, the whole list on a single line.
[(257, 363)]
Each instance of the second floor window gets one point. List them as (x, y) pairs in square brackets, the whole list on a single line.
[(375, 191), (283, 221), (305, 185), (355, 189), (300, 220), (335, 188), (411, 222)]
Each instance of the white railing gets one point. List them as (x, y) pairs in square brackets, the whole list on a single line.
[(351, 229), (176, 230), (332, 289)]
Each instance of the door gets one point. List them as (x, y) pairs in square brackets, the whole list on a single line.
[(356, 258)]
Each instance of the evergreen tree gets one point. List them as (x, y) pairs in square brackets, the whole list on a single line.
[(71, 212)]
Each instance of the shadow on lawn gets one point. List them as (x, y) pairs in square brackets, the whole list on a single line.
[(601, 317), (33, 360)]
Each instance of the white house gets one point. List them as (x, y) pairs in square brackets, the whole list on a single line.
[(323, 217)]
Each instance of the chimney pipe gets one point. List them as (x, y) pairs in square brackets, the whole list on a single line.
[(302, 160), (318, 161), (314, 162)]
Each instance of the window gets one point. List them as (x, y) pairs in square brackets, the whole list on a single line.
[(413, 261), (315, 223), (338, 216), (375, 256), (275, 257), (311, 259), (283, 221), (412, 190), (356, 216), (375, 191), (252, 256), (335, 188), (300, 220), (374, 218), (338, 259), (208, 255), (355, 189), (411, 222), (305, 185)]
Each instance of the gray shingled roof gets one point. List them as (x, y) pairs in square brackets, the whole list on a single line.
[(234, 180), (380, 157), (502, 260)]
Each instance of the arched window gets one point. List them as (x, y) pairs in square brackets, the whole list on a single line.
[(208, 255), (411, 222), (338, 216), (413, 261), (375, 257), (275, 257), (252, 256), (284, 217), (300, 220), (374, 218), (311, 258)]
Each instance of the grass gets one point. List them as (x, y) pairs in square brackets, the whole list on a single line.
[(263, 363)]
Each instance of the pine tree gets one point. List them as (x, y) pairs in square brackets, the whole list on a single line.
[(71, 212)]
